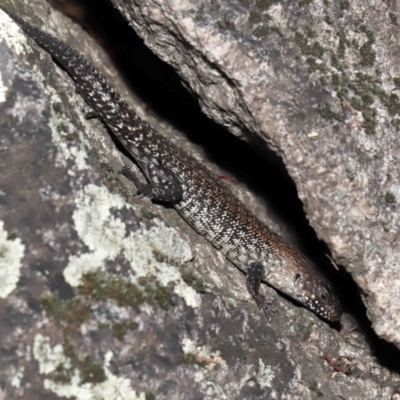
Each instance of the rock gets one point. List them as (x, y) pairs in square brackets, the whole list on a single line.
[(318, 82), (107, 296)]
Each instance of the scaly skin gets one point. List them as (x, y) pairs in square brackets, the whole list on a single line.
[(175, 177)]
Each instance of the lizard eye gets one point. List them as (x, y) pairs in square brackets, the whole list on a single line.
[(324, 297)]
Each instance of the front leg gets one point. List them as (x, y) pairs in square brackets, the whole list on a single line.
[(163, 186), (254, 274)]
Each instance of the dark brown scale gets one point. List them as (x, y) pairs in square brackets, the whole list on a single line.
[(203, 201)]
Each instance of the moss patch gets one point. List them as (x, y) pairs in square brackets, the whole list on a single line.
[(255, 16), (58, 107), (148, 214), (344, 4), (326, 112), (367, 90), (393, 18), (262, 31), (395, 123), (362, 91), (370, 121), (161, 257), (150, 396), (367, 53), (113, 181), (122, 328), (68, 314), (100, 286), (311, 33), (310, 49), (190, 279), (91, 372), (313, 65), (264, 4), (63, 374), (192, 359), (155, 293), (302, 3), (343, 43), (390, 198)]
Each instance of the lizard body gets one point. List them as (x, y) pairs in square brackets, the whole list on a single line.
[(175, 177)]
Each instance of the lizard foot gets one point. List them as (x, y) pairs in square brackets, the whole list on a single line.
[(267, 305)]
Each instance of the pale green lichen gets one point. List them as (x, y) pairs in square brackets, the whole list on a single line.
[(205, 365), (63, 131), (49, 357), (265, 375), (201, 355), (3, 90), (12, 34), (17, 378), (80, 383), (107, 237), (64, 134), (11, 254)]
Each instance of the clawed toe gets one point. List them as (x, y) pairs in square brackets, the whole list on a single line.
[(267, 306)]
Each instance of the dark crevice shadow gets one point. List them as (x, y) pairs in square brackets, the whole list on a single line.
[(158, 85)]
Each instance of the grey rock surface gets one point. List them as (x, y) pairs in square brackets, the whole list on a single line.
[(107, 296), (319, 81)]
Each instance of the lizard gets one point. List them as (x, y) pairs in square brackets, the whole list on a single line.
[(173, 177)]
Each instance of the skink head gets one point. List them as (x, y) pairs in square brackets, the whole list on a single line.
[(318, 295), (300, 278)]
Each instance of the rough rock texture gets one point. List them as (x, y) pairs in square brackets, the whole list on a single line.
[(319, 81), (108, 296)]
